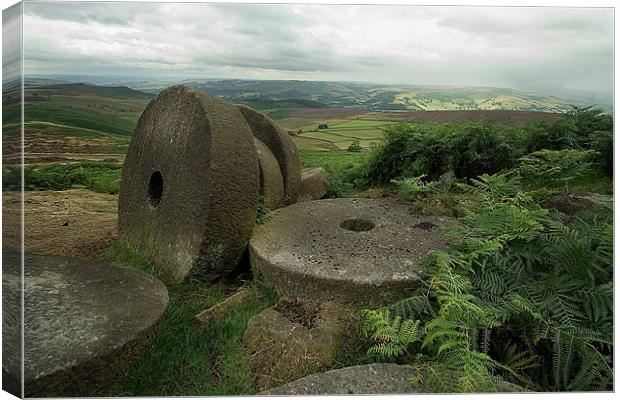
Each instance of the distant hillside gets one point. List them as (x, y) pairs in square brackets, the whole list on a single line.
[(293, 94), (109, 110), (81, 89), (380, 98), (476, 99)]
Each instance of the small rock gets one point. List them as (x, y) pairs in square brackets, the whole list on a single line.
[(313, 184), (282, 351), (361, 379)]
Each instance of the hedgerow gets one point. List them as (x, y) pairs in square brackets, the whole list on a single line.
[(472, 149)]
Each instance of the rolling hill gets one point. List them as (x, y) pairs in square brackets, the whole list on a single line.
[(270, 94), (381, 98)]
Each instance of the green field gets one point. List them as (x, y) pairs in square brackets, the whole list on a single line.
[(340, 133)]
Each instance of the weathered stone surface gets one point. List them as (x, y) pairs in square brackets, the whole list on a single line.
[(362, 252), (189, 187), (12, 328), (313, 184), (361, 379), (223, 307), (282, 350), (271, 183), (282, 147), (85, 322)]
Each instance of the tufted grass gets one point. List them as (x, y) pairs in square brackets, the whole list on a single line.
[(187, 358)]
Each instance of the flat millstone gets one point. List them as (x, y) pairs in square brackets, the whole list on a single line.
[(361, 379), (189, 187), (85, 322), (307, 252)]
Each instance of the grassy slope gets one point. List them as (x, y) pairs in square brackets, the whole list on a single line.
[(110, 110)]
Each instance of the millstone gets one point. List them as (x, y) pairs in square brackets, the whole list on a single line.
[(313, 184), (361, 252), (189, 187), (361, 379), (271, 184), (282, 147), (85, 322)]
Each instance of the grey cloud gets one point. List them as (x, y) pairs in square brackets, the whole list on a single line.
[(103, 13), (11, 43), (561, 48)]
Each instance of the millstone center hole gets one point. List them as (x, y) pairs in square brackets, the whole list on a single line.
[(357, 225), (156, 188)]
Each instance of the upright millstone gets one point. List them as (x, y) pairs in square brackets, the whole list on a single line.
[(282, 148), (271, 183), (189, 188)]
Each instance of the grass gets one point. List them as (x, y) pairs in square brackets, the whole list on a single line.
[(186, 358), (359, 123), (306, 124), (78, 117), (305, 143), (279, 113), (332, 161), (358, 133), (99, 113), (337, 164), (324, 135), (341, 133), (48, 127), (98, 177)]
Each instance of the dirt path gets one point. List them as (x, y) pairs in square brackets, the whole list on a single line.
[(76, 222)]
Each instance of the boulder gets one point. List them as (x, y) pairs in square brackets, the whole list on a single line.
[(189, 186), (314, 184), (85, 323)]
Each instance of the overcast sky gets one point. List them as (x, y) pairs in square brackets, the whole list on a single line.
[(523, 48)]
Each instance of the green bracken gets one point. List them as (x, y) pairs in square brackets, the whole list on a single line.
[(525, 298)]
